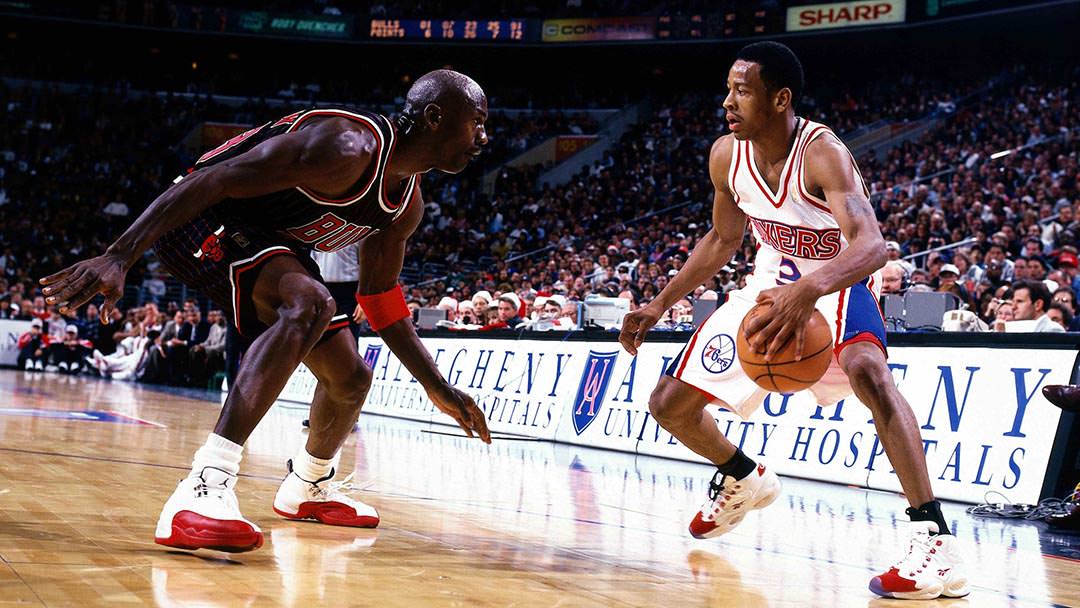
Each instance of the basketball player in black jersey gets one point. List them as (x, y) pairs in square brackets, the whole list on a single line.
[(239, 227)]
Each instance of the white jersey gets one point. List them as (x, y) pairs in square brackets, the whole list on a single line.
[(795, 231)]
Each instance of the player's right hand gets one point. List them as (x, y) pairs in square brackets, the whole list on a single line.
[(635, 325), (78, 284)]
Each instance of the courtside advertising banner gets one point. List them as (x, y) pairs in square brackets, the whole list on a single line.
[(845, 14), (984, 423), (10, 330), (604, 29)]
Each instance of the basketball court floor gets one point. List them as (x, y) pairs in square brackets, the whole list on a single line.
[(88, 464)]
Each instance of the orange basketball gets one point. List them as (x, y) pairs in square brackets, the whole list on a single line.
[(783, 374)]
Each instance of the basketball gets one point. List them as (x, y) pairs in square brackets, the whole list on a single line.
[(783, 374)]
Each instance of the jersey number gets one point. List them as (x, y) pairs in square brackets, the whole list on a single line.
[(789, 272)]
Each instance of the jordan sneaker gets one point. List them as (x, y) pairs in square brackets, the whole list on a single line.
[(322, 500), (203, 513), (932, 568), (731, 499)]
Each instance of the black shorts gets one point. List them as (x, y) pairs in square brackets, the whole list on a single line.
[(222, 260)]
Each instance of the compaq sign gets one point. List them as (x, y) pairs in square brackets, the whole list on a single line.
[(845, 14)]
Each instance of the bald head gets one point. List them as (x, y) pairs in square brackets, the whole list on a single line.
[(444, 116), (444, 88)]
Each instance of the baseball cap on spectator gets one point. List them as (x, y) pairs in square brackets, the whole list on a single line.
[(672, 272), (483, 295), (557, 299), (1067, 259), (72, 329), (540, 301), (709, 294), (692, 226), (946, 268), (612, 249), (892, 246), (448, 303), (36, 322)]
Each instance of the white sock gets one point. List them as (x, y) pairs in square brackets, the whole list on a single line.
[(310, 468), (219, 453)]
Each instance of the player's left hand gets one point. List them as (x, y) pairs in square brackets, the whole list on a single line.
[(790, 309), (462, 409)]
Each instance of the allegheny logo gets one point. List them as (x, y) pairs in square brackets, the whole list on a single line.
[(371, 355), (594, 383)]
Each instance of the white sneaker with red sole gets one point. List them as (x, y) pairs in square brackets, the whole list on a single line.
[(731, 499), (322, 500), (932, 568), (203, 513)]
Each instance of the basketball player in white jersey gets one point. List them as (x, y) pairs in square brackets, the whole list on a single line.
[(820, 247)]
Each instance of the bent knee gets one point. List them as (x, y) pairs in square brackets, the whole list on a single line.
[(670, 407), (867, 371), (310, 308)]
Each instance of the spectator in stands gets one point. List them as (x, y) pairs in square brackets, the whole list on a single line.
[(1066, 297), (892, 278), (996, 254), (1059, 314), (509, 307), (1030, 301), (6, 310), (948, 276), (69, 354), (33, 347), (127, 361), (208, 357), (1067, 263)]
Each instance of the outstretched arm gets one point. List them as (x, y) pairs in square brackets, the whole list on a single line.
[(324, 158), (710, 253), (381, 258)]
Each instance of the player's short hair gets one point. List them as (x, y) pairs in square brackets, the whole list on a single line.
[(780, 68)]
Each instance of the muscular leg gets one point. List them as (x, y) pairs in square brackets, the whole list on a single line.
[(680, 409), (344, 380), (865, 366), (297, 308)]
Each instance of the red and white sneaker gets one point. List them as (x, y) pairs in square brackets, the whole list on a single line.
[(323, 501), (731, 499), (203, 513), (932, 568)]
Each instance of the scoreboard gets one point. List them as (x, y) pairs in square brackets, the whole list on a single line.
[(473, 30)]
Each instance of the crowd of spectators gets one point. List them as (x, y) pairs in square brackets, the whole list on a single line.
[(75, 167), (625, 225), (176, 347)]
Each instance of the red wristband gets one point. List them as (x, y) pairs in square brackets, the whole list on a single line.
[(384, 309)]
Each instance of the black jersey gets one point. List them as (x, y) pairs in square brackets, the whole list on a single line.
[(323, 223)]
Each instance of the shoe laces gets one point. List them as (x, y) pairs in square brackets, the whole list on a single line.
[(328, 490), (717, 487), (219, 491), (921, 550)]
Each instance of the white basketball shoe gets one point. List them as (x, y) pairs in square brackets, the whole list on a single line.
[(322, 500), (203, 513), (731, 499), (932, 568)]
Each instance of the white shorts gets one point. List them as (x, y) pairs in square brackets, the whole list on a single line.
[(709, 363)]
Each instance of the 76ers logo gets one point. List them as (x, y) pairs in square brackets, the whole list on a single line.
[(718, 354)]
